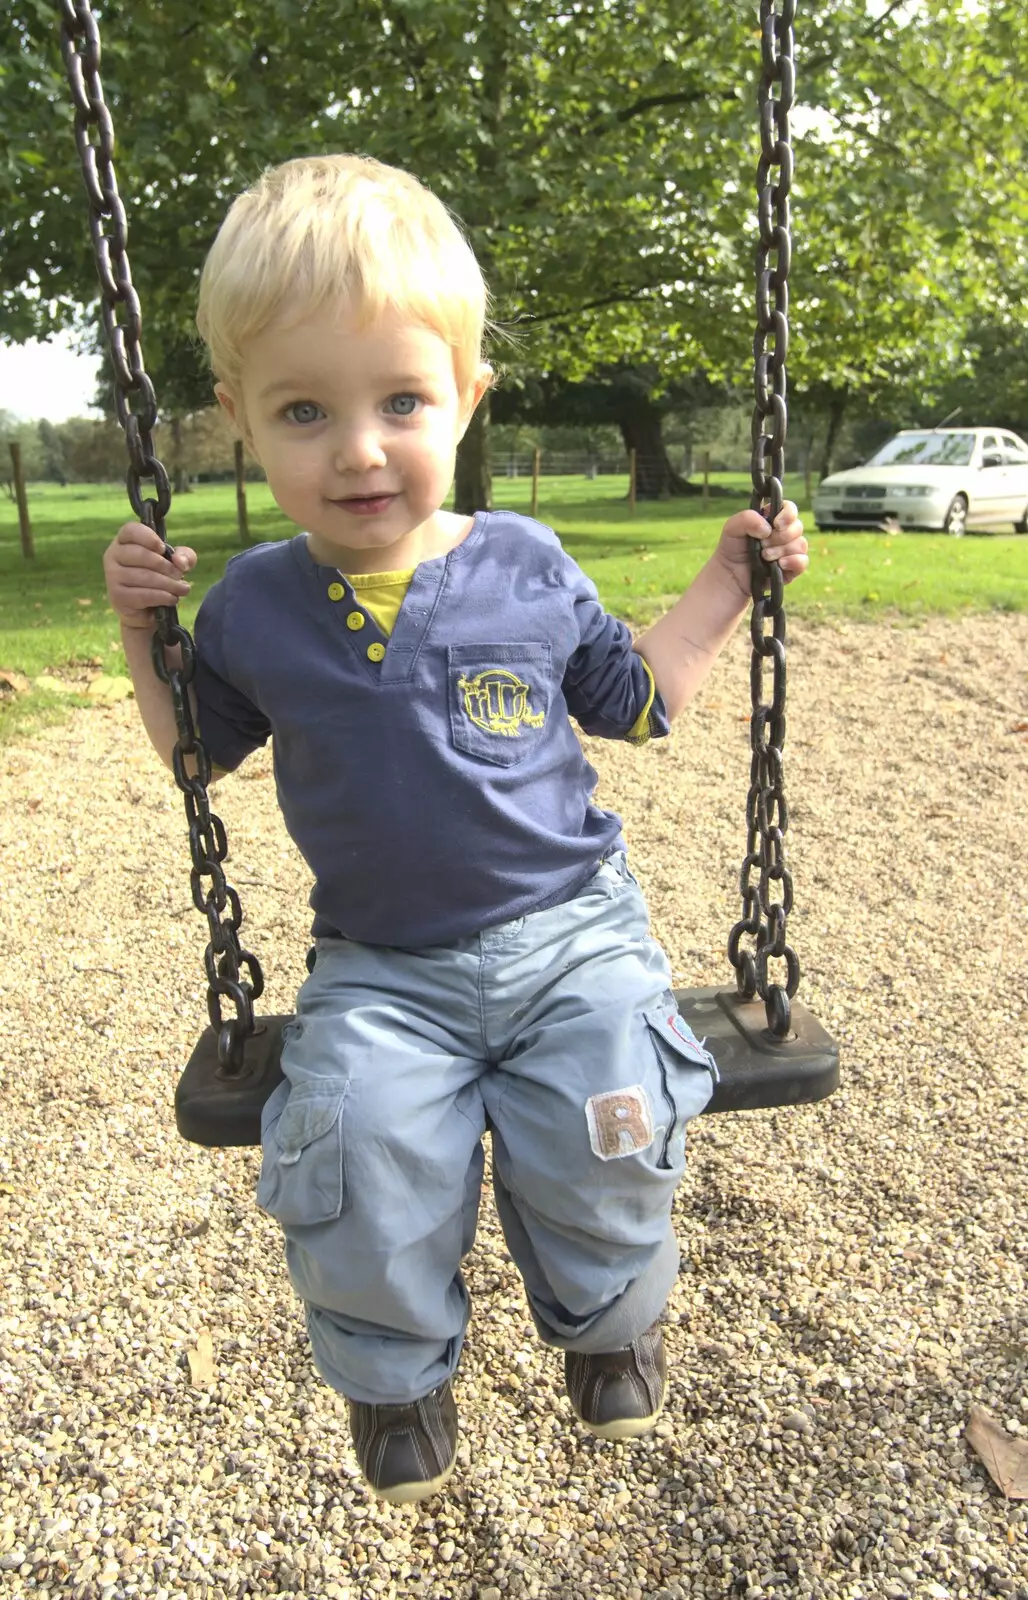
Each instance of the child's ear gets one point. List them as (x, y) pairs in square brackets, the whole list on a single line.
[(234, 409), (483, 380)]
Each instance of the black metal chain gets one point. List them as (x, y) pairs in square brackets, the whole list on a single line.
[(764, 919), (224, 958)]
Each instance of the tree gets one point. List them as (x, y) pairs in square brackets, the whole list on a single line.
[(556, 137), (94, 450), (632, 398), (600, 153), (52, 445), (14, 431), (911, 189), (993, 388)]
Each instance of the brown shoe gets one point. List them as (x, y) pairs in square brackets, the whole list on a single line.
[(406, 1452), (620, 1394)]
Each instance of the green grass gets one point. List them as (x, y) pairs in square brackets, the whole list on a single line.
[(641, 563), (53, 611)]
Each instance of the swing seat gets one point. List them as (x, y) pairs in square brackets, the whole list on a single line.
[(757, 1071), (218, 1110)]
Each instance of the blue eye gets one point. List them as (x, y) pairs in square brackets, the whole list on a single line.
[(303, 412), (403, 405)]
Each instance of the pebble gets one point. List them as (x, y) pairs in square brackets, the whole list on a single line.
[(852, 1274)]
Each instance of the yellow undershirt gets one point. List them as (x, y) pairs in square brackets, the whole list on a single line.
[(382, 594)]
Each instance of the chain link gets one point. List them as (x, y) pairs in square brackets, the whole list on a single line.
[(763, 919), (136, 403)]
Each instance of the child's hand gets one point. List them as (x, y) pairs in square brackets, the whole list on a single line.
[(140, 577), (782, 542)]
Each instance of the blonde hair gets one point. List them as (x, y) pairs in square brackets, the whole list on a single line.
[(322, 228)]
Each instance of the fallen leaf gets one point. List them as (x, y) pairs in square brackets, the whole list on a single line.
[(201, 1361), (15, 681), (1019, 727), (83, 602), (1005, 1459), (108, 690), (197, 1231), (46, 680)]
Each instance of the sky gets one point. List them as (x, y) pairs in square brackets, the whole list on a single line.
[(47, 380)]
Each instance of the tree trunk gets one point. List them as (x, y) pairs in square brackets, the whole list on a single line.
[(179, 476), (640, 422), (241, 514), (28, 548), (836, 412), (473, 480)]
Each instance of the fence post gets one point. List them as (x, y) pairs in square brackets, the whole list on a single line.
[(536, 459), (28, 549), (706, 478), (244, 523), (631, 479)]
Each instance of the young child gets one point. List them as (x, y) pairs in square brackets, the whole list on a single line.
[(483, 953)]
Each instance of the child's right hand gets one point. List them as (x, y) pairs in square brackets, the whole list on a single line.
[(140, 577)]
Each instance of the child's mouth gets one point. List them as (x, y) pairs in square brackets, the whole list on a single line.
[(366, 505)]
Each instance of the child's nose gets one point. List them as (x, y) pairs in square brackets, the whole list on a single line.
[(358, 449)]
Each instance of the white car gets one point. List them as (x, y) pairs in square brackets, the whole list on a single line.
[(944, 478)]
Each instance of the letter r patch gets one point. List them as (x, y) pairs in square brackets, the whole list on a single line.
[(620, 1122)]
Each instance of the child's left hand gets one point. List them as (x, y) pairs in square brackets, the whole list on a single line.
[(781, 541)]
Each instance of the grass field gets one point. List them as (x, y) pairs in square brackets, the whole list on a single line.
[(53, 611)]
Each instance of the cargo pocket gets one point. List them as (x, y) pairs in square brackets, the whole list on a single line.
[(303, 1179), (688, 1073)]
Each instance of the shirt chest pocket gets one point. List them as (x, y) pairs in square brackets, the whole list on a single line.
[(499, 699)]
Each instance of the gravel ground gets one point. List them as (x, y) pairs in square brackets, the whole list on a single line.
[(853, 1275)]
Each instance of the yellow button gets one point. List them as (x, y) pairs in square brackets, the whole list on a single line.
[(355, 620), (336, 591), (376, 652)]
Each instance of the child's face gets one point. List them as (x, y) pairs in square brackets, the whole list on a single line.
[(357, 429)]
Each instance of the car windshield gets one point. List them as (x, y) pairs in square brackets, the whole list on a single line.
[(925, 449)]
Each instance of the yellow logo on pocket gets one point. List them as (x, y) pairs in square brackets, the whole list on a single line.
[(497, 701)]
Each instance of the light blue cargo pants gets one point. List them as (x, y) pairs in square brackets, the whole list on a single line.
[(558, 1033)]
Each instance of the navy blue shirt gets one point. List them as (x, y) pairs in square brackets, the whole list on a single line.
[(432, 780)]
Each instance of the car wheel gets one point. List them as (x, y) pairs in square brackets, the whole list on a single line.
[(1022, 526), (956, 517)]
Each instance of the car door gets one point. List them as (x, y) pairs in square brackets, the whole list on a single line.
[(988, 502), (1015, 455)]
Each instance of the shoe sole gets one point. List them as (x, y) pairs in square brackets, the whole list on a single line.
[(405, 1494), (624, 1427)]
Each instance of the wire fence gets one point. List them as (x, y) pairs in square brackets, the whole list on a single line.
[(688, 464), (557, 463)]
